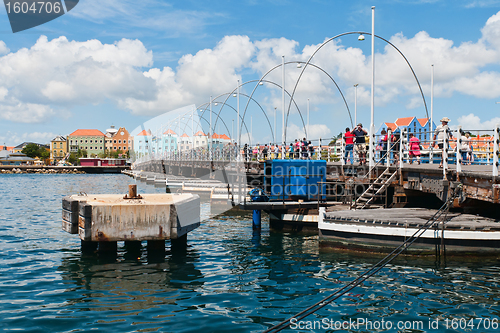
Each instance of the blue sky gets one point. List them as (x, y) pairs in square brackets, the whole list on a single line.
[(122, 62)]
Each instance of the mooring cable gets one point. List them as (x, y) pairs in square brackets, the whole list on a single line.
[(368, 273)]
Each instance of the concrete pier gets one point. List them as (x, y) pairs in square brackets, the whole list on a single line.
[(105, 219)]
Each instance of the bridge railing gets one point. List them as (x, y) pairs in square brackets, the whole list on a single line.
[(479, 147)]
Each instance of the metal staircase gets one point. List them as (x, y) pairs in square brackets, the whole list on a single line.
[(376, 189)]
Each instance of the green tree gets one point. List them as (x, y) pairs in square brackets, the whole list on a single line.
[(31, 150), (81, 153), (72, 158), (44, 154)]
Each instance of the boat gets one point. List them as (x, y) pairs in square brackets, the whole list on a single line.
[(383, 230)]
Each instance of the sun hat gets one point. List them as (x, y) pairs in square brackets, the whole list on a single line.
[(360, 124), (445, 119)]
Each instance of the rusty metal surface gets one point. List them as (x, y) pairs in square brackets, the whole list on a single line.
[(154, 217)]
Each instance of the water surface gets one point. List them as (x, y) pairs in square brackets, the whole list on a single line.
[(228, 279)]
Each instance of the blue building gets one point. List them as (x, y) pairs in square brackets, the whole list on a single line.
[(420, 127)]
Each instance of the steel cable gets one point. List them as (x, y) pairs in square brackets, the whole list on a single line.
[(368, 273)]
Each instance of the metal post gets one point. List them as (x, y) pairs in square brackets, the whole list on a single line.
[(318, 157), (372, 124), (210, 134), (356, 103), (251, 129), (487, 152), (256, 219), (431, 145), (458, 154), (342, 151), (283, 104), (307, 128), (444, 153), (275, 114), (495, 151), (402, 140), (238, 120), (389, 144)]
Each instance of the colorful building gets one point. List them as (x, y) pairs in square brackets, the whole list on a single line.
[(90, 140), (142, 143), (58, 149), (420, 127), (122, 141)]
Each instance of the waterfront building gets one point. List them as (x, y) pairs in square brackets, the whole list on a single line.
[(90, 140), (58, 149), (108, 141), (122, 141), (185, 143), (10, 158), (142, 143), (420, 127), (200, 140), (169, 141)]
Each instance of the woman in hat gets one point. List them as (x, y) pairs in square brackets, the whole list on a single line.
[(443, 134)]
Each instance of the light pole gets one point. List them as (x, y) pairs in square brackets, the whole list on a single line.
[(355, 103), (431, 155), (283, 105), (238, 118), (232, 130), (251, 129), (372, 123), (210, 132), (307, 127), (276, 142)]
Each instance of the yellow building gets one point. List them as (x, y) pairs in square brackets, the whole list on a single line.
[(58, 149)]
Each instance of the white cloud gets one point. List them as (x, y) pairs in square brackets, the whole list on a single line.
[(61, 72), (3, 48), (14, 138), (473, 122), (316, 131), (64, 73), (150, 14), (25, 112)]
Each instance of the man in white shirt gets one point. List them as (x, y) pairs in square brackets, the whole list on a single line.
[(442, 133)]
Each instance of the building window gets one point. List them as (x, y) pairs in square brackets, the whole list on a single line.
[(85, 141), (119, 141), (115, 148), (100, 141), (114, 141)]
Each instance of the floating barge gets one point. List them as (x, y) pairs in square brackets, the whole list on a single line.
[(382, 230)]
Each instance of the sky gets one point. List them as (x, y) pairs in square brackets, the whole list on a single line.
[(123, 62)]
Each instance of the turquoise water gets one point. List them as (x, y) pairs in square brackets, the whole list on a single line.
[(228, 280)]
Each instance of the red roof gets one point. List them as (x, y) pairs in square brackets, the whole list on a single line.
[(200, 133), (404, 121), (392, 126), (423, 121), (144, 133), (170, 132), (184, 135), (87, 132), (224, 136)]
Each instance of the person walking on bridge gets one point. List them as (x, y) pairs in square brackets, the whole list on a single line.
[(359, 132), (349, 145), (443, 135)]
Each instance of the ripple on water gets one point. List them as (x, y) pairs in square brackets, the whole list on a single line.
[(228, 279)]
